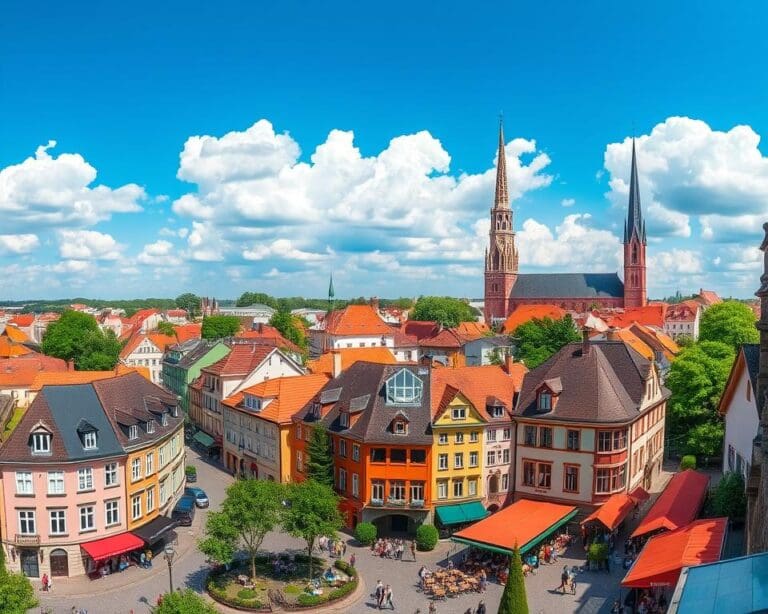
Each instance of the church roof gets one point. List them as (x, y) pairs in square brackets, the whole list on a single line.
[(568, 285)]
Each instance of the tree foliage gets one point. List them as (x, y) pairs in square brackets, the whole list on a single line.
[(729, 322), (166, 328), (445, 310), (514, 599), (426, 537), (184, 602), (76, 336), (730, 499), (539, 339), (218, 327), (251, 509), (189, 302), (17, 595), (290, 327), (312, 511), (365, 533), (319, 462), (253, 298)]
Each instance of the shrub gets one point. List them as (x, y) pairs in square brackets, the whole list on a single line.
[(190, 470), (597, 552), (365, 533), (342, 591), (246, 593), (291, 589), (688, 462), (346, 568), (426, 537), (305, 599), (729, 499)]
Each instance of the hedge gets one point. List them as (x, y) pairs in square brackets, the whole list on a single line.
[(688, 462), (426, 537), (365, 533)]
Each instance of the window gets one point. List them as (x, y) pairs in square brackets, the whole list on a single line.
[(529, 473), (24, 483), (442, 462), (459, 413), (164, 494), (545, 475), (55, 482), (608, 441), (619, 439), (731, 457), (417, 491), (442, 438), (133, 432), (573, 440), (400, 428), (545, 401), (150, 464), (89, 440), (58, 522), (355, 452), (571, 483), (490, 435), (299, 462), (458, 488), (397, 491), (377, 490), (342, 448), (530, 435), (419, 456), (161, 455), (473, 459), (398, 455), (404, 388), (458, 460), (136, 507), (41, 443), (490, 457), (344, 420), (749, 392), (298, 431), (505, 456), (85, 479), (545, 437), (442, 489), (342, 480), (150, 499), (474, 436), (27, 522), (86, 518), (472, 488), (135, 469), (150, 426), (355, 485), (111, 513), (506, 434), (459, 438), (378, 455), (610, 479), (497, 411)]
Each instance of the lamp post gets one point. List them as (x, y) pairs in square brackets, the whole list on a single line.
[(169, 554)]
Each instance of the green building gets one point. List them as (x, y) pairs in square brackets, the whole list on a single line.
[(183, 361)]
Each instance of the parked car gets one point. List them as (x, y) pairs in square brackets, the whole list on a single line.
[(201, 499), (184, 511)]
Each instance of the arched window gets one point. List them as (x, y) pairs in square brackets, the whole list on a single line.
[(634, 253), (404, 388)]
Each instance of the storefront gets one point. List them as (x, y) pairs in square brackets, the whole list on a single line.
[(156, 533), (451, 518), (110, 554)]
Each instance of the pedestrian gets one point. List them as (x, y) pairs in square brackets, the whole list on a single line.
[(344, 548), (480, 607), (379, 593), (388, 594), (44, 580), (432, 608), (563, 579), (413, 549), (352, 560), (149, 558), (74, 610), (483, 580)]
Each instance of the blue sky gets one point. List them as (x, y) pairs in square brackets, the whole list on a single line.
[(223, 147)]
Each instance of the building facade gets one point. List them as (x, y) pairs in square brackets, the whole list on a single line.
[(182, 364), (147, 350)]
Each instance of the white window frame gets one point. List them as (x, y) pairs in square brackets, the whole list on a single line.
[(110, 475), (24, 483), (84, 479), (135, 469), (458, 413), (27, 519), (85, 513), (56, 478), (150, 463), (57, 521), (89, 440), (355, 485), (458, 460), (41, 443), (133, 432), (442, 462), (134, 500), (442, 489), (150, 499), (111, 508), (473, 458)]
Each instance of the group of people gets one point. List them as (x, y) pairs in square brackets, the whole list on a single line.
[(480, 609), (383, 595), (145, 559), (335, 547), (647, 603), (567, 581), (392, 548)]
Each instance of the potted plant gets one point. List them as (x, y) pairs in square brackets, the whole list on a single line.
[(597, 555), (191, 472)]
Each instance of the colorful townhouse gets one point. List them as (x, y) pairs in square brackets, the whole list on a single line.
[(147, 350), (182, 363), (66, 481), (352, 327), (258, 421), (379, 420), (590, 423)]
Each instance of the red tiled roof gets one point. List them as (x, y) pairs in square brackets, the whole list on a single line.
[(526, 313), (23, 319), (267, 332), (243, 359), (356, 320), (650, 315), (21, 372), (612, 512), (477, 384), (419, 329), (678, 505), (472, 330), (185, 332), (349, 356), (446, 338), (403, 340), (708, 297)]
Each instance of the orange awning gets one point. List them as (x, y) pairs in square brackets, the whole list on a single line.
[(611, 513), (665, 555), (523, 523), (101, 549), (678, 505)]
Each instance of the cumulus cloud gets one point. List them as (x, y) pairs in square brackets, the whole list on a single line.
[(159, 253), (18, 244), (568, 202), (88, 245)]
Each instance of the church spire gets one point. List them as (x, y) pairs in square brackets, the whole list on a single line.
[(501, 198), (634, 226)]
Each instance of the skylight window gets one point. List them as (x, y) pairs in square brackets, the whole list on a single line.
[(404, 388)]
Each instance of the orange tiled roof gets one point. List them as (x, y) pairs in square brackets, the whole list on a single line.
[(21, 372), (637, 344), (526, 313), (23, 319), (650, 315), (671, 348), (288, 394), (472, 330), (349, 356), (708, 297), (186, 332), (356, 320), (67, 378), (478, 384), (264, 331), (10, 349), (446, 338), (15, 335), (243, 359), (160, 340), (420, 328)]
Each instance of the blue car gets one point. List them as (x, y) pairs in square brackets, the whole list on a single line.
[(184, 511), (201, 499)]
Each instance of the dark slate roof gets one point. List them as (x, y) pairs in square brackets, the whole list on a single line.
[(75, 407), (200, 349), (371, 422), (568, 285), (752, 358), (604, 386)]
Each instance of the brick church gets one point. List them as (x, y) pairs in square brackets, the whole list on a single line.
[(506, 289)]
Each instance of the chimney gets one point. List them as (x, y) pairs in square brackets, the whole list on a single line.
[(336, 355), (584, 341), (508, 360), (425, 361), (261, 328), (611, 334), (375, 302), (70, 365)]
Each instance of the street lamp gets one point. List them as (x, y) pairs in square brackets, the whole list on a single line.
[(169, 554)]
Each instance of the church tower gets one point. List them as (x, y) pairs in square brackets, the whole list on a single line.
[(501, 255), (635, 294)]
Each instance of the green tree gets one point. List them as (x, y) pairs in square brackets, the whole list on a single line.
[(16, 592), (445, 310), (729, 322), (76, 336), (189, 302), (218, 327), (514, 599), (730, 499), (312, 511), (252, 298), (251, 509), (319, 459), (289, 327), (539, 339), (166, 328), (184, 602)]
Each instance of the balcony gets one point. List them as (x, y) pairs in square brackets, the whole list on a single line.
[(415, 504), (377, 502), (26, 540)]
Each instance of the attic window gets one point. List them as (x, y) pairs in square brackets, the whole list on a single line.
[(496, 411), (175, 411), (150, 426), (545, 401), (164, 419), (133, 432), (404, 388), (41, 443), (89, 440), (252, 402), (344, 420), (399, 427)]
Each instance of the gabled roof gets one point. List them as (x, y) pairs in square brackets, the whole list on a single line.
[(477, 384), (187, 332), (419, 328), (288, 394), (708, 297), (472, 330), (568, 286), (70, 378), (23, 319), (526, 313), (242, 360), (356, 320), (12, 349), (445, 338), (747, 359), (404, 340), (604, 386), (15, 335), (349, 356), (678, 505), (649, 315), (272, 335), (160, 341), (656, 340), (21, 372)]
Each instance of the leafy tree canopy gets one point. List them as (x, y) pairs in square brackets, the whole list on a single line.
[(17, 594), (76, 336), (252, 298), (290, 327), (166, 328), (539, 339), (729, 322), (447, 311), (730, 499), (319, 461), (184, 602), (218, 327), (190, 302), (514, 599)]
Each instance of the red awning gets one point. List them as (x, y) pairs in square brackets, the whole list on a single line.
[(639, 495), (665, 555), (611, 513), (101, 549), (678, 505)]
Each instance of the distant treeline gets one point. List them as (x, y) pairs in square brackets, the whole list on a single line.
[(131, 306), (299, 302)]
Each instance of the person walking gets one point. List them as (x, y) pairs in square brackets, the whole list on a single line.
[(388, 594), (480, 607), (483, 580), (344, 548), (563, 579), (432, 608), (379, 593), (413, 550), (45, 581), (352, 560)]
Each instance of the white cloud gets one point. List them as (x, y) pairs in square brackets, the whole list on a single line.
[(568, 202), (19, 244), (675, 262), (88, 245), (160, 253), (281, 248)]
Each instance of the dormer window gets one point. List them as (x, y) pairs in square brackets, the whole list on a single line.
[(399, 427), (344, 420), (41, 443), (459, 413), (164, 419), (150, 426), (496, 411), (545, 400), (404, 388), (175, 411), (252, 402), (133, 432), (89, 440)]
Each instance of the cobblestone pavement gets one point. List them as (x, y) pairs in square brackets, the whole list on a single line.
[(135, 589)]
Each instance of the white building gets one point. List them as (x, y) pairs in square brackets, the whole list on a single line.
[(355, 326), (260, 313), (147, 350), (683, 319)]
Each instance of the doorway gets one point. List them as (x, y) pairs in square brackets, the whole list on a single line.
[(59, 563), (29, 563)]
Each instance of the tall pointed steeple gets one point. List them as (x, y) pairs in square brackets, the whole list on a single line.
[(635, 225), (501, 198), (331, 294)]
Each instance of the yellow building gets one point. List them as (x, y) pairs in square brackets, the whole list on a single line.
[(457, 456)]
